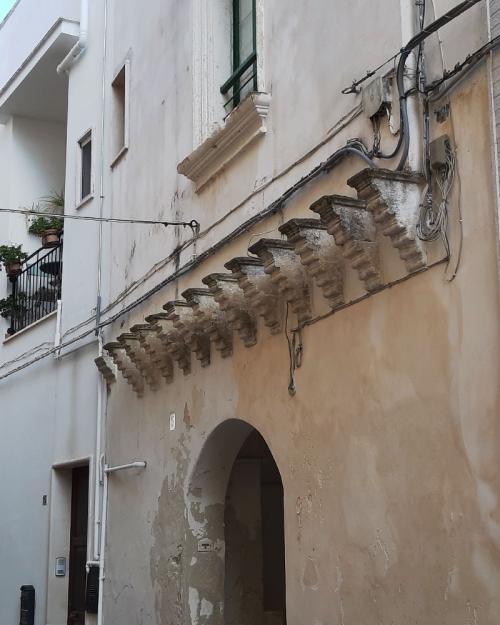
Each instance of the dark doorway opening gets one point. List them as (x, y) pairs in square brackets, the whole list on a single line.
[(78, 545), (254, 590)]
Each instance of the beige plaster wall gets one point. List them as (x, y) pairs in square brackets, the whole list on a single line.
[(388, 452)]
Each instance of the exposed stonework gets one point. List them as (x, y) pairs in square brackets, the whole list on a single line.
[(174, 342), (105, 368), (230, 298), (394, 198), (138, 356), (353, 229), (261, 292), (127, 368), (287, 273), (319, 254), (211, 320)]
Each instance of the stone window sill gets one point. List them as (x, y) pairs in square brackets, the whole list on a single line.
[(242, 126)]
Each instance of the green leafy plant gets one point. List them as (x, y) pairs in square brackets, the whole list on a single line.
[(54, 201), (13, 306), (41, 224), (12, 254)]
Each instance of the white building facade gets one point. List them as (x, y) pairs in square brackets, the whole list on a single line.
[(256, 381)]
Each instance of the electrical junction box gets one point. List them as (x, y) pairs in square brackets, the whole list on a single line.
[(205, 545), (376, 96), (439, 151), (60, 567)]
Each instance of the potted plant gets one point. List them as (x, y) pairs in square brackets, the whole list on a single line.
[(12, 257), (14, 308), (48, 228)]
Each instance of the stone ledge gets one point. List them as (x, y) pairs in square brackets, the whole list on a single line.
[(244, 124)]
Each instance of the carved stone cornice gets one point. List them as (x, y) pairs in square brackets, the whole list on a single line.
[(319, 254), (188, 326), (354, 231), (258, 288), (157, 349), (287, 273), (138, 356), (394, 200), (231, 300), (173, 341), (126, 367), (210, 318)]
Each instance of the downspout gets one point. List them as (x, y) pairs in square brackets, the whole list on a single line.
[(408, 31), (139, 464), (67, 63)]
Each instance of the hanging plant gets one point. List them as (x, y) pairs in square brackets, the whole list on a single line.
[(12, 257)]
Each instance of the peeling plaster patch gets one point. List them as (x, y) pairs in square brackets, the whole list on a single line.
[(310, 578), (206, 608), (194, 601)]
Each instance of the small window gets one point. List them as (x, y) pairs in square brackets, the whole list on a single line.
[(120, 113), (85, 166), (243, 80)]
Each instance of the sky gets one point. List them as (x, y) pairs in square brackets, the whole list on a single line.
[(5, 6)]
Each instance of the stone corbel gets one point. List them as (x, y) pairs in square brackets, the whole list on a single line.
[(286, 271), (353, 229), (156, 349), (394, 200), (319, 254), (106, 369), (186, 324), (138, 356), (231, 300), (174, 342), (129, 371), (211, 320), (261, 293)]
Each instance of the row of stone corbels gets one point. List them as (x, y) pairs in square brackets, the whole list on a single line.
[(278, 271)]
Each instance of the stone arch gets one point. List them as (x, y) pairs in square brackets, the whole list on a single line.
[(213, 526)]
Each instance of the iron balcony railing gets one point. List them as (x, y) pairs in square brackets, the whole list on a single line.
[(36, 290)]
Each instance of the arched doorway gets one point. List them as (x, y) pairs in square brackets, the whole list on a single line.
[(254, 581), (235, 548)]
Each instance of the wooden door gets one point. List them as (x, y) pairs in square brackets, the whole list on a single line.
[(78, 545)]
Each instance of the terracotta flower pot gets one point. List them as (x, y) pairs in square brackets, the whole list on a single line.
[(50, 237), (13, 269)]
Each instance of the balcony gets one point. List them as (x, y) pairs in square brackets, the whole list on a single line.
[(35, 291)]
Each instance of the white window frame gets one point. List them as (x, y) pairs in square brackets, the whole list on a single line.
[(122, 150), (211, 42), (219, 137), (88, 136)]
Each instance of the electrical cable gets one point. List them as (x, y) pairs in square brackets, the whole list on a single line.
[(404, 138), (193, 224), (470, 60)]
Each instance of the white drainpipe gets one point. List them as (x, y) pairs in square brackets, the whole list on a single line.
[(408, 30), (75, 52), (104, 518)]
